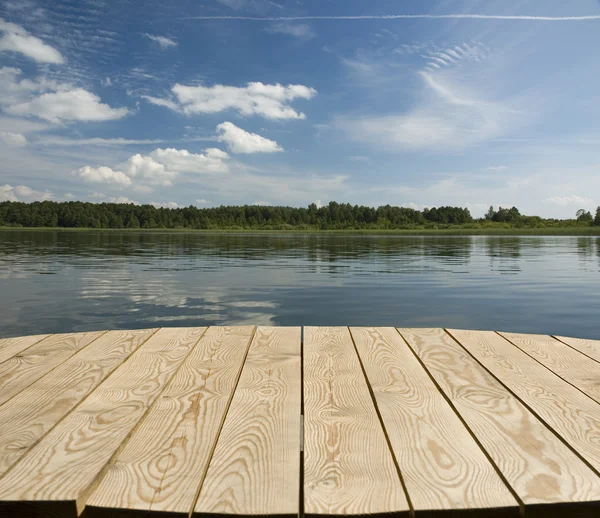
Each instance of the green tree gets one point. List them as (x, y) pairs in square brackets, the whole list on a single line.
[(597, 218), (490, 213), (584, 216)]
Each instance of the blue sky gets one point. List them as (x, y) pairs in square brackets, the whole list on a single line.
[(415, 103)]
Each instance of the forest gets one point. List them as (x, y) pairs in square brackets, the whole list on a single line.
[(334, 216)]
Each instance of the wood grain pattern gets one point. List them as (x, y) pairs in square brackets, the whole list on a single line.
[(29, 415), (590, 348), (255, 469), (162, 465), (67, 464), (348, 466), (569, 364), (9, 347), (571, 414), (22, 370), (442, 465), (537, 465)]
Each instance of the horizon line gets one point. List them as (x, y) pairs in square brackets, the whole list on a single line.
[(593, 17)]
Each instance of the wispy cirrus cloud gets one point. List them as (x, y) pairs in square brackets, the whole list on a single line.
[(448, 117), (450, 16), (162, 41), (297, 30)]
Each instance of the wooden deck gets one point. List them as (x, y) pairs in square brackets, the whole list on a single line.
[(289, 421)]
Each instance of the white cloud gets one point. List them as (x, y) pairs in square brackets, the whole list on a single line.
[(103, 175), (102, 142), (300, 30), (22, 193), (165, 205), (262, 203), (120, 199), (573, 200), (107, 82), (70, 105), (212, 161), (269, 101), (240, 141), (148, 170), (202, 201), (166, 103), (16, 39), (159, 168), (13, 139), (164, 42), (69, 196)]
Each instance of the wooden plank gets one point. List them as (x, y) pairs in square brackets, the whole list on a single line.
[(162, 465), (22, 370), (590, 348), (9, 347), (536, 464), (255, 469), (29, 415), (569, 364), (571, 414), (63, 469), (348, 467), (441, 464)]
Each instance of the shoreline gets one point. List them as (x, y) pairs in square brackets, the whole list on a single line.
[(547, 231)]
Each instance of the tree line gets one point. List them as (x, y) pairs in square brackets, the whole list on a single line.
[(334, 216)]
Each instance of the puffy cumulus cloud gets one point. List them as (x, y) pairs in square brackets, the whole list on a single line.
[(13, 139), (103, 175), (150, 171), (22, 193), (165, 204), (269, 101), (71, 105), (50, 100), (120, 199), (240, 141), (180, 160), (163, 41), (16, 39), (159, 168)]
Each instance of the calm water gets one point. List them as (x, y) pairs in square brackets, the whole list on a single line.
[(74, 281)]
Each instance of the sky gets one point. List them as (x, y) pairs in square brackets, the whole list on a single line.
[(417, 103)]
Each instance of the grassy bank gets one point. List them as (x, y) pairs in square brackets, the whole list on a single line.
[(487, 231)]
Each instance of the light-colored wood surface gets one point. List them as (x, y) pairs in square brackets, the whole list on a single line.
[(590, 348), (10, 347), (348, 466), (571, 414), (207, 422), (67, 464), (29, 415), (255, 469), (569, 364), (22, 370), (536, 464), (441, 464), (162, 465)]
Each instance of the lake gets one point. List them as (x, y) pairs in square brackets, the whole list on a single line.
[(68, 281)]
